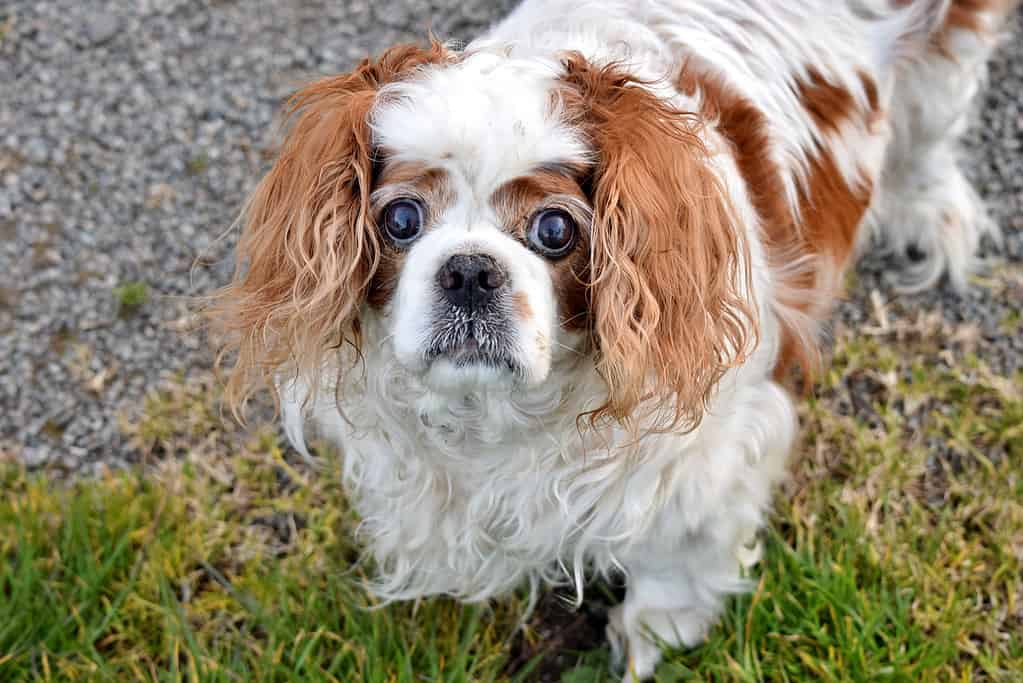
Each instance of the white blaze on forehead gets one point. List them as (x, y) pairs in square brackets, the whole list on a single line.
[(487, 117)]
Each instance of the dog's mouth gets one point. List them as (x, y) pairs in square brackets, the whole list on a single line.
[(472, 343)]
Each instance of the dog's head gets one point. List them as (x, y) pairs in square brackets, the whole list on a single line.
[(491, 216)]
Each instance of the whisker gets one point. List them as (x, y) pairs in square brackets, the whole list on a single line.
[(574, 317), (569, 348)]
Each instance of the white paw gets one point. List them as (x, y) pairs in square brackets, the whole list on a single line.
[(643, 660), (636, 639), (616, 637), (750, 553), (632, 653), (950, 247), (937, 230)]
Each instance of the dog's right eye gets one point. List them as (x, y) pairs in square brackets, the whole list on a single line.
[(403, 220)]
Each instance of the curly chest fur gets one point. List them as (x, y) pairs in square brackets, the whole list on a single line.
[(474, 495)]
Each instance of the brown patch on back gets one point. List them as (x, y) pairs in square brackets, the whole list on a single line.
[(829, 105), (745, 127), (830, 210)]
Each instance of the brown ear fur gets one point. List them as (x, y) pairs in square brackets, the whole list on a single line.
[(669, 265), (308, 250)]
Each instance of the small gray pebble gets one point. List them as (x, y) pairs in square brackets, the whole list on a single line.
[(101, 27), (36, 151)]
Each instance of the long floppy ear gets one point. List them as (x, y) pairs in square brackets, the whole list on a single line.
[(670, 276), (308, 249)]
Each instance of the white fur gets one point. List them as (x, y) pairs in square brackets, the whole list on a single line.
[(925, 201), (472, 483)]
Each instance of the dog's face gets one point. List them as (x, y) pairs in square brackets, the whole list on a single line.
[(484, 225), (487, 275), (485, 217)]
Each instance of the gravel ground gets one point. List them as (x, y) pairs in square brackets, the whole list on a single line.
[(131, 130)]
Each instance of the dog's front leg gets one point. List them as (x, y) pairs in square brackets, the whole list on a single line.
[(674, 598)]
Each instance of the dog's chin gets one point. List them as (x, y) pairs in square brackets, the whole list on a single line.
[(460, 374), (463, 371)]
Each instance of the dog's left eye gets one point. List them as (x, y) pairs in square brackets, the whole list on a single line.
[(552, 233), (403, 220)]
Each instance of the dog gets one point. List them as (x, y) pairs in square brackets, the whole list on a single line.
[(545, 292)]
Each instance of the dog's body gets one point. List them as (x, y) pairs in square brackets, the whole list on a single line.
[(512, 413)]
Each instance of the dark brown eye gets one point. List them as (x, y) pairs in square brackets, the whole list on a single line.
[(403, 221), (552, 233)]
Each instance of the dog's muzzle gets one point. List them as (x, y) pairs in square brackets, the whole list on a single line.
[(472, 321)]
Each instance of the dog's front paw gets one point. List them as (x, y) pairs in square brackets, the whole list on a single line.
[(636, 639), (616, 638)]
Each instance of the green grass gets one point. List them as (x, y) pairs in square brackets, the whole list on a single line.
[(131, 296), (197, 164), (895, 553), (213, 569), (6, 24)]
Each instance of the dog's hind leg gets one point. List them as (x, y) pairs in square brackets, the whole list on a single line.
[(927, 212)]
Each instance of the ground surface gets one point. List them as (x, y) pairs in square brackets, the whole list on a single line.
[(130, 133)]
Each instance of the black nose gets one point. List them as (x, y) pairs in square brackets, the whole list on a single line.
[(470, 281)]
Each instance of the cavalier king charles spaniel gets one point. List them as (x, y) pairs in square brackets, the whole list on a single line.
[(544, 291)]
